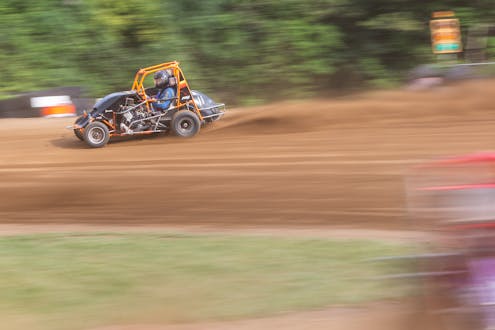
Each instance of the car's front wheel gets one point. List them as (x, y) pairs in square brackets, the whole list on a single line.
[(79, 134), (96, 134), (185, 124)]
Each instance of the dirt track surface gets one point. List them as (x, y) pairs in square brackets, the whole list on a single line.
[(321, 163)]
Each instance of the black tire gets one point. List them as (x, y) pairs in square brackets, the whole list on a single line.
[(216, 117), (79, 134), (185, 124), (96, 134)]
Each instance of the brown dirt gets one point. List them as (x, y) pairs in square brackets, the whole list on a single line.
[(325, 162)]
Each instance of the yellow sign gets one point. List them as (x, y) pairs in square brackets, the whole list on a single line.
[(445, 35), (443, 14)]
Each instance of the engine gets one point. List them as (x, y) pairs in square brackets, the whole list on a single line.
[(134, 119)]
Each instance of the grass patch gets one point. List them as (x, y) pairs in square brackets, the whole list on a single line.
[(82, 281)]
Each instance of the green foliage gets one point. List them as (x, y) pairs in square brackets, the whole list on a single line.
[(235, 49)]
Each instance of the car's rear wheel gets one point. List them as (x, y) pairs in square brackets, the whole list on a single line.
[(218, 115), (79, 134), (96, 134), (185, 124)]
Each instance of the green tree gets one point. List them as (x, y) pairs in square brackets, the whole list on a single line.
[(234, 49)]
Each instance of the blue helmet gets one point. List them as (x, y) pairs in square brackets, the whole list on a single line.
[(161, 79)]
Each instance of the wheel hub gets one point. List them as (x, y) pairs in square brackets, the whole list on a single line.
[(185, 124), (96, 135)]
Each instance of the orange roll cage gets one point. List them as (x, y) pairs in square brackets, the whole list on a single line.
[(182, 86)]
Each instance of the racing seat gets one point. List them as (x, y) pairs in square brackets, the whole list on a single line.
[(172, 82)]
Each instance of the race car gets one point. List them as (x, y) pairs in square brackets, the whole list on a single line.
[(134, 112)]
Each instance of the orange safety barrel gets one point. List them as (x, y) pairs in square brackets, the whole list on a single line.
[(54, 106), (64, 110)]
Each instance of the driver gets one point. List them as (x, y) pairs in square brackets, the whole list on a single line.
[(166, 93)]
